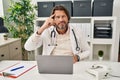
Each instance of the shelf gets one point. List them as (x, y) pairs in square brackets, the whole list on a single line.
[(72, 18), (41, 18), (104, 18), (80, 20), (83, 19), (102, 41), (105, 48), (95, 18)]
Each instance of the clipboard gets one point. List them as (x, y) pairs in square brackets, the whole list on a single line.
[(16, 70)]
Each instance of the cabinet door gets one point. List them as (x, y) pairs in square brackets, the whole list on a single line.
[(15, 50), (4, 52)]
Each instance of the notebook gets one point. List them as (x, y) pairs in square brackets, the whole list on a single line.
[(16, 69), (55, 64)]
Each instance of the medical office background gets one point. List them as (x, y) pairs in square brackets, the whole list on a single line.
[(96, 45)]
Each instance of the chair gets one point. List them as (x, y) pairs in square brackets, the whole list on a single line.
[(3, 29)]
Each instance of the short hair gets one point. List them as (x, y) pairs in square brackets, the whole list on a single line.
[(59, 7)]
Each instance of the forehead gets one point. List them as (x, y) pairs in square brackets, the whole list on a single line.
[(59, 12)]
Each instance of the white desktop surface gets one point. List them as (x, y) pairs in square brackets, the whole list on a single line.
[(78, 74)]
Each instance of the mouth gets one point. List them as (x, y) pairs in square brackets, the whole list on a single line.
[(63, 23)]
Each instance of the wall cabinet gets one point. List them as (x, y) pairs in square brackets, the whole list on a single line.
[(11, 49), (108, 44)]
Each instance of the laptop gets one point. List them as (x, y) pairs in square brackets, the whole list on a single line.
[(55, 64)]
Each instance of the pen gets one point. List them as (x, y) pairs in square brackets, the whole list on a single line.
[(17, 68)]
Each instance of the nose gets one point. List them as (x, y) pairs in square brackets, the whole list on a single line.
[(61, 19)]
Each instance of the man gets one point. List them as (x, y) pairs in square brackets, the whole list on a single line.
[(58, 37)]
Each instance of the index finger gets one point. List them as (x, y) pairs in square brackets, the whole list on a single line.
[(52, 16)]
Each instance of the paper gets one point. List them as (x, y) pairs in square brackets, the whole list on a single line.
[(17, 70)]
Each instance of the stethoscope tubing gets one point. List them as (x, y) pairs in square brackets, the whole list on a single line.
[(53, 34), (77, 47)]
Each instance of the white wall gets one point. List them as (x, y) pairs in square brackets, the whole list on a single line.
[(116, 12), (116, 8), (1, 9)]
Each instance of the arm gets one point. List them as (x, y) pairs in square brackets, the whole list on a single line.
[(85, 48), (36, 39), (33, 42), (83, 44), (82, 55)]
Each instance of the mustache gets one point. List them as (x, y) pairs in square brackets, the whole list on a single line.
[(62, 22), (62, 28)]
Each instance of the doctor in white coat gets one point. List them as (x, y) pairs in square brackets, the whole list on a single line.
[(59, 38)]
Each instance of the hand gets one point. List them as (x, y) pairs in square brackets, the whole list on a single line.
[(49, 22), (75, 58)]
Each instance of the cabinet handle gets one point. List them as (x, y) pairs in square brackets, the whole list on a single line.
[(16, 48), (2, 55)]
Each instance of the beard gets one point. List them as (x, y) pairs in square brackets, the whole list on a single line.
[(62, 26)]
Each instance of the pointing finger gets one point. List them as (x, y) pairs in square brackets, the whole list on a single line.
[(52, 16)]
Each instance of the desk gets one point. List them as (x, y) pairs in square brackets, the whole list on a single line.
[(79, 71)]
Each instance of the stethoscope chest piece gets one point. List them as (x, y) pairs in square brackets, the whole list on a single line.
[(77, 48)]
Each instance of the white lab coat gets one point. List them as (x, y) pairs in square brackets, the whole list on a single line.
[(35, 41)]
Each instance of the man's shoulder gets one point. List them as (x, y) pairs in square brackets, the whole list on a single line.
[(51, 28), (75, 28)]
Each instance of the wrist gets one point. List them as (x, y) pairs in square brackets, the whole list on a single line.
[(38, 33), (78, 58)]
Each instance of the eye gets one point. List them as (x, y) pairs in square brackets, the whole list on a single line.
[(64, 16), (57, 17)]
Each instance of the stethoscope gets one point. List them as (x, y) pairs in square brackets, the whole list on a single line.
[(77, 46), (53, 34)]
